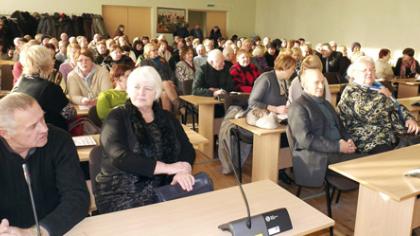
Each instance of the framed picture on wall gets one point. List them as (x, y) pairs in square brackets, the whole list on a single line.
[(169, 18)]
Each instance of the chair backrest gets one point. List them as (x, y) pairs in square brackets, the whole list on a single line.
[(93, 116), (186, 87), (333, 77), (235, 99), (95, 160), (290, 138)]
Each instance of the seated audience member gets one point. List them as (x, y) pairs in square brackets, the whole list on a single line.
[(319, 137), (215, 33), (61, 55), (101, 52), (17, 67), (170, 100), (185, 70), (229, 55), (306, 50), (37, 64), (176, 57), (258, 59), (73, 51), (201, 57), (296, 89), (270, 90), (111, 98), (116, 56), (96, 39), (208, 45), (356, 51), (383, 68), (270, 55), (345, 61), (213, 78), (243, 72), (59, 190), (374, 119), (163, 50), (138, 48), (87, 80), (144, 147), (407, 66), (331, 62)]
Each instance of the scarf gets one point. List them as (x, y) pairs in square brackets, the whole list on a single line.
[(407, 64), (170, 148)]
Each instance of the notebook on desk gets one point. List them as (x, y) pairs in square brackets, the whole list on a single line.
[(81, 141)]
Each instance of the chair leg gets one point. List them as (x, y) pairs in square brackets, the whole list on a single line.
[(238, 148), (332, 193), (193, 118), (299, 190), (328, 196), (337, 199)]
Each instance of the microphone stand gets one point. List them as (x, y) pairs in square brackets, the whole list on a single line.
[(31, 195)]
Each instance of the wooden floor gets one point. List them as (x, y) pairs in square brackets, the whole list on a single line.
[(343, 213)]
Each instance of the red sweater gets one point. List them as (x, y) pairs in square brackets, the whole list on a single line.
[(244, 77)]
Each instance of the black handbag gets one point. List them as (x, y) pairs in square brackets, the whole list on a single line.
[(203, 184)]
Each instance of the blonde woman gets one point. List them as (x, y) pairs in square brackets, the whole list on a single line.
[(38, 64)]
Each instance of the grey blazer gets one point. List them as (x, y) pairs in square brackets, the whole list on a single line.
[(310, 151)]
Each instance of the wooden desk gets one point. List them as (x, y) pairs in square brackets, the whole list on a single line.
[(334, 90), (205, 120), (195, 139), (407, 87), (414, 110), (4, 93), (202, 214), (82, 110), (84, 152), (265, 150), (387, 199)]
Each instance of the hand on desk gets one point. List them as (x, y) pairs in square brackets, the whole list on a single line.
[(185, 180), (88, 101), (278, 109), (347, 147), (412, 126), (7, 230)]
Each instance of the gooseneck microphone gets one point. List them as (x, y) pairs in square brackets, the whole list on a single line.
[(31, 195), (265, 224)]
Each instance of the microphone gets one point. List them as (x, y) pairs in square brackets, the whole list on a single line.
[(31, 195), (264, 224)]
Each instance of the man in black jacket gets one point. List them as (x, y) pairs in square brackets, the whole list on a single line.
[(317, 132), (59, 190), (333, 68)]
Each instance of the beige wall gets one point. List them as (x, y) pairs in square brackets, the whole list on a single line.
[(236, 9), (374, 23)]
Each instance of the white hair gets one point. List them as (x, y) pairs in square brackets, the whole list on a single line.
[(213, 55), (141, 74), (36, 59), (358, 65)]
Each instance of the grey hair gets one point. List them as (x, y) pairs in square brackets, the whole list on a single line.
[(144, 73), (9, 104), (213, 54), (357, 65)]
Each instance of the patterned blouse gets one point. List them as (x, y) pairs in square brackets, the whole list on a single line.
[(371, 118)]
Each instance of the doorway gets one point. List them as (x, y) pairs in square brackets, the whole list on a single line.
[(197, 18)]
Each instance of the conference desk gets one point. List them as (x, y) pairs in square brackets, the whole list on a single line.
[(202, 214), (205, 120), (265, 150), (334, 90), (407, 87), (387, 202), (414, 110), (195, 139)]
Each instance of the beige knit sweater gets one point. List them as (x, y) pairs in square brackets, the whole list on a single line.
[(78, 89)]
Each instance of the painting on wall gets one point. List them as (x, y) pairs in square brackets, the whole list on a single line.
[(169, 18)]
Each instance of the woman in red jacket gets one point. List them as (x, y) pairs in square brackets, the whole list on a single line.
[(243, 72)]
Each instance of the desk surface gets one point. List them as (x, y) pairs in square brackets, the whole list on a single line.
[(255, 130), (384, 172), (82, 110), (200, 100), (4, 93), (85, 151), (202, 214), (408, 101), (404, 80), (7, 62)]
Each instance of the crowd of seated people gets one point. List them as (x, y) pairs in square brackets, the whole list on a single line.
[(286, 77)]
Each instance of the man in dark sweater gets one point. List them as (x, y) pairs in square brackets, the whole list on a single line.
[(59, 190), (213, 78)]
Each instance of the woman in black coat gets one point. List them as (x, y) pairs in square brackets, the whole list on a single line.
[(144, 147)]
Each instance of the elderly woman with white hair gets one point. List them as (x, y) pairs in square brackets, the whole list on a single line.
[(374, 119), (38, 63), (144, 147)]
